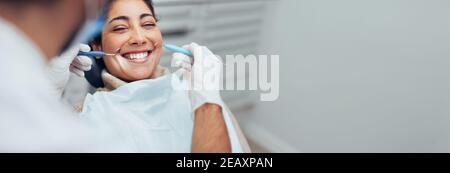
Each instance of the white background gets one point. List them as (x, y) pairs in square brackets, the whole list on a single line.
[(357, 76)]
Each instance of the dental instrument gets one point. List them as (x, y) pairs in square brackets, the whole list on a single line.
[(97, 53), (173, 48), (169, 47)]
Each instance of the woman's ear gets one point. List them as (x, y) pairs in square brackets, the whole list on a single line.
[(96, 47)]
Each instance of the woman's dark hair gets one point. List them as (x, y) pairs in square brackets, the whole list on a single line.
[(94, 75)]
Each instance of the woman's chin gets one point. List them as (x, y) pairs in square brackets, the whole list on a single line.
[(141, 75)]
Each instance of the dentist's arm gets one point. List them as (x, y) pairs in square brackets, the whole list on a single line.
[(210, 132)]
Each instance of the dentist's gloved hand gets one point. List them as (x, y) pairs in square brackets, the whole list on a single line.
[(60, 67), (204, 74)]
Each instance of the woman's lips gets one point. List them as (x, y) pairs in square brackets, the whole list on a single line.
[(137, 57)]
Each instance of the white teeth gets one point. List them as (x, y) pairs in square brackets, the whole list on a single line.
[(138, 55)]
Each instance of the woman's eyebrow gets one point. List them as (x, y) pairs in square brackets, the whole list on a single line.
[(146, 15), (119, 18), (127, 18)]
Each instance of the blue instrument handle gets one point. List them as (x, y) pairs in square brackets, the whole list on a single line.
[(174, 48), (92, 54)]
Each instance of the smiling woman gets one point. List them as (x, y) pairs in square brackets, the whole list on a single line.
[(141, 103), (131, 27)]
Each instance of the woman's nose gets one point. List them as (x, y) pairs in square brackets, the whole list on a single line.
[(138, 38)]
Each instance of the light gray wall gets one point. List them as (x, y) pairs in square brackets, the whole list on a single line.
[(358, 76)]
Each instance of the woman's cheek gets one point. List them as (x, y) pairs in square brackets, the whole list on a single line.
[(112, 65)]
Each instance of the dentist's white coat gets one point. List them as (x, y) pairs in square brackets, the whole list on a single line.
[(31, 119)]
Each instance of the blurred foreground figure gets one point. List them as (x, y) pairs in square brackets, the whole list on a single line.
[(32, 119)]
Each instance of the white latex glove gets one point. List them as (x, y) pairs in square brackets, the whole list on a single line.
[(60, 67), (204, 74)]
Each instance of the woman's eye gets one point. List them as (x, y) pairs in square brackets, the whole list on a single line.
[(119, 29), (149, 25)]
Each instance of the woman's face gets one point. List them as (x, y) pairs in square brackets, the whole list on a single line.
[(131, 27)]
